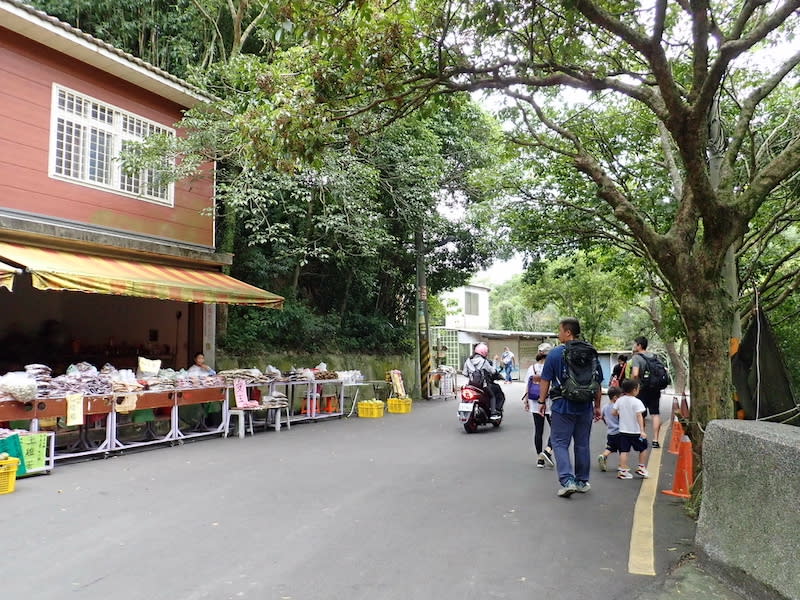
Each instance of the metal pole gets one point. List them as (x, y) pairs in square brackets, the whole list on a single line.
[(423, 333)]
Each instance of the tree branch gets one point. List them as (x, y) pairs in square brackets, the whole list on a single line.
[(248, 30), (654, 54), (748, 108), (771, 176), (214, 24), (658, 22), (734, 48), (700, 28)]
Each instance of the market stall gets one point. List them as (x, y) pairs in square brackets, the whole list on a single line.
[(90, 411)]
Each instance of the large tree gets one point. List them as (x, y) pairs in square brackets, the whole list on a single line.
[(672, 68)]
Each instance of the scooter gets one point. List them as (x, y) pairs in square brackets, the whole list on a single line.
[(474, 409)]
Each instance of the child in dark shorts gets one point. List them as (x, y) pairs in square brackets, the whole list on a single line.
[(632, 432), (612, 423)]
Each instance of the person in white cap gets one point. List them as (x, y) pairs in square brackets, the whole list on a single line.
[(531, 404)]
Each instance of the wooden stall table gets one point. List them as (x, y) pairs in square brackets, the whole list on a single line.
[(195, 397), (146, 400), (13, 410), (102, 406)]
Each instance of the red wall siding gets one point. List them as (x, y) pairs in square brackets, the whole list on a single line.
[(28, 71)]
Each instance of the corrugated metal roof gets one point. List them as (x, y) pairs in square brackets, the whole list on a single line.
[(41, 27), (502, 333)]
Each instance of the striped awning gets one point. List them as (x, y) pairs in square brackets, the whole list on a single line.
[(76, 272), (7, 273)]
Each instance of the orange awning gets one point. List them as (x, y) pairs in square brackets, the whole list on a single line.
[(7, 273), (72, 271)]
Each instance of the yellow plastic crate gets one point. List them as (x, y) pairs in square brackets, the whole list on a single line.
[(399, 405), (8, 475), (370, 409)]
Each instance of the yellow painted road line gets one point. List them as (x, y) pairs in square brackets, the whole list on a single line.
[(641, 557)]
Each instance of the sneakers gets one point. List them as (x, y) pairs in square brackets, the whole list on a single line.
[(655, 444), (496, 417), (569, 488), (624, 474), (642, 472), (547, 458), (582, 487), (540, 463), (601, 460)]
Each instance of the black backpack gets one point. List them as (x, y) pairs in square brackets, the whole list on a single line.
[(655, 376), (581, 381), (477, 378)]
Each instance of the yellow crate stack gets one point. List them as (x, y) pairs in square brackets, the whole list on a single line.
[(8, 474), (370, 409), (399, 405)]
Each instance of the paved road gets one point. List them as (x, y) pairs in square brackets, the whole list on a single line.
[(404, 507)]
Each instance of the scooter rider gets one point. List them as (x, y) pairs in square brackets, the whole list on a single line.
[(479, 370)]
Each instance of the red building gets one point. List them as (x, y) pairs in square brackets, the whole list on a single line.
[(104, 265)]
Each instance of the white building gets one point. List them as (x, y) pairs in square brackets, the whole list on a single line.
[(467, 323), (467, 307)]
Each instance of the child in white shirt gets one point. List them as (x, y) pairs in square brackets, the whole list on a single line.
[(633, 434), (612, 423)]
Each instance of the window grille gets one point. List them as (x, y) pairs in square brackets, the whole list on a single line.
[(88, 138)]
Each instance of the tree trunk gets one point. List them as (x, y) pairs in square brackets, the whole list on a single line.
[(678, 366), (708, 313), (348, 283)]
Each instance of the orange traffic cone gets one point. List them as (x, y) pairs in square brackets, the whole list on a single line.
[(684, 471), (331, 404), (310, 405), (684, 408), (677, 436)]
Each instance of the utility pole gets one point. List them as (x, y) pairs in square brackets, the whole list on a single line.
[(423, 332)]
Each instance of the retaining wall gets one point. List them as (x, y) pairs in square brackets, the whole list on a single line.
[(749, 526)]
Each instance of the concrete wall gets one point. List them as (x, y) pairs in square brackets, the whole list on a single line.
[(372, 367), (749, 527)]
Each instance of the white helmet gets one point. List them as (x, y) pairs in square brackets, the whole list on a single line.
[(545, 348)]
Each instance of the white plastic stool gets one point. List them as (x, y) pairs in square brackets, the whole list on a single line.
[(242, 413), (274, 408)]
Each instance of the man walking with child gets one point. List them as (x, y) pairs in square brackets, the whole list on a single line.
[(571, 377)]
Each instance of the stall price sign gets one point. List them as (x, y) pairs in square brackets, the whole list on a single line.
[(74, 409), (240, 392), (34, 448)]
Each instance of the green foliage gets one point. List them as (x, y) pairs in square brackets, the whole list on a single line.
[(784, 323), (581, 286), (150, 29), (510, 308), (300, 327)]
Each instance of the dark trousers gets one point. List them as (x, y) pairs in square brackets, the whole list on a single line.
[(538, 430), (496, 397)]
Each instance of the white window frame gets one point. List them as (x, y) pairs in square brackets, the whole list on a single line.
[(117, 136), (472, 302)]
